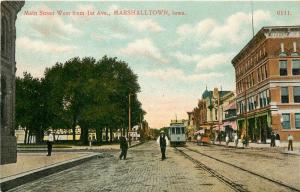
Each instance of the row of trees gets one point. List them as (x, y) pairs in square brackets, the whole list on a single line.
[(85, 92)]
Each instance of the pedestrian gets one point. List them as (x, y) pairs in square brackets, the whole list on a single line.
[(50, 142), (123, 147), (277, 140), (272, 139), (236, 140), (227, 140), (290, 139), (163, 144), (198, 139)]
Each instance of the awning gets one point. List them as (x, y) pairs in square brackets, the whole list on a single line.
[(199, 132), (232, 124), (230, 106)]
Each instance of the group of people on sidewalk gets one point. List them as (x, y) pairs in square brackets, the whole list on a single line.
[(275, 140)]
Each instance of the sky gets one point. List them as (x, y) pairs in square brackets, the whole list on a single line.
[(175, 55)]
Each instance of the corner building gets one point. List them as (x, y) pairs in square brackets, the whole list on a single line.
[(267, 74), (9, 11)]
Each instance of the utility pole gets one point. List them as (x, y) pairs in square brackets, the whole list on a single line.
[(245, 113), (129, 115), (219, 117)]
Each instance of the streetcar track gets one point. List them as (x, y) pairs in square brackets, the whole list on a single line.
[(246, 170), (235, 186)]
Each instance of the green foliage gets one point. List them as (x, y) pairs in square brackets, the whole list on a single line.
[(84, 92)]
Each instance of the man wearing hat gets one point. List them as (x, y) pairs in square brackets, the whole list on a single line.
[(163, 144)]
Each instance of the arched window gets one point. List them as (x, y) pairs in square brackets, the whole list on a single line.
[(4, 33)]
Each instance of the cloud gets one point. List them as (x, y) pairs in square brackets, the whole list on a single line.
[(107, 36), (213, 34), (174, 73), (28, 44), (145, 25), (209, 61), (51, 26), (186, 58), (144, 47), (213, 60)]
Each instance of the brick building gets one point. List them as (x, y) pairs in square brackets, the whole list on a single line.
[(9, 11), (208, 114), (267, 73)]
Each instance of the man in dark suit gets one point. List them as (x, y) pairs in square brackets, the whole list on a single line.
[(163, 145), (123, 147)]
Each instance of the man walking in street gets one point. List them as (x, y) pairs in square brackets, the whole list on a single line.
[(50, 142), (236, 140), (163, 145), (290, 139), (123, 147)]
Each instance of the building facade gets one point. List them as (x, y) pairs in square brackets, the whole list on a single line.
[(9, 11), (228, 109), (267, 72), (208, 115)]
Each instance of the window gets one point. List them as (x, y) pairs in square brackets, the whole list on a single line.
[(284, 95), (283, 68), (177, 130), (286, 121), (296, 94), (296, 67), (266, 71), (297, 120), (182, 130), (173, 130)]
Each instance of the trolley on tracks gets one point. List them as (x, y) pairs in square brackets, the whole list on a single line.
[(177, 133)]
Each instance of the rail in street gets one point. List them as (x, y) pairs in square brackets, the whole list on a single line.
[(223, 169)]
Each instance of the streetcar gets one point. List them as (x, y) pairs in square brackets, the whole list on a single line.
[(177, 133)]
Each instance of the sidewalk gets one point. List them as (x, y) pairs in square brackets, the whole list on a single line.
[(283, 148), (32, 161)]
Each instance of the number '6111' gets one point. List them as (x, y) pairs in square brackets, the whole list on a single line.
[(283, 12)]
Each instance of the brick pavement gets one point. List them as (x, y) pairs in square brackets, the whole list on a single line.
[(142, 171)]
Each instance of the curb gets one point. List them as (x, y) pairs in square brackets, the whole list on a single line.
[(20, 179)]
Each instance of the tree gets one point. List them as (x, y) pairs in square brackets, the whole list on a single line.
[(31, 109), (84, 92)]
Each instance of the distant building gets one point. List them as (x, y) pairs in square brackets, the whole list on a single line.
[(267, 72), (208, 114), (228, 109), (9, 11)]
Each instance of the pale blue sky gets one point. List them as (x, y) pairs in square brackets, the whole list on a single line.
[(175, 57)]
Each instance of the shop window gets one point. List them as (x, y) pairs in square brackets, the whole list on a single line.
[(283, 68), (286, 121), (284, 95), (296, 67), (297, 120), (296, 94)]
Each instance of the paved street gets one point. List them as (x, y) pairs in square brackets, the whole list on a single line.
[(144, 171)]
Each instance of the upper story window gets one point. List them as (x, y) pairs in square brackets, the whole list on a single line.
[(284, 95), (297, 120), (283, 67), (294, 53), (286, 124), (296, 94), (296, 67), (282, 53)]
